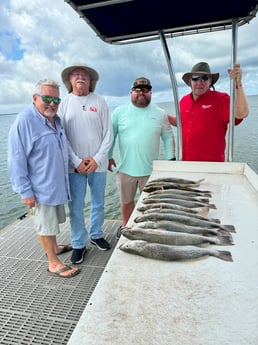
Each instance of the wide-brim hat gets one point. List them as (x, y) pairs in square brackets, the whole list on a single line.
[(201, 68), (94, 77)]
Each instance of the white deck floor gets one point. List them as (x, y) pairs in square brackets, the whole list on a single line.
[(202, 302)]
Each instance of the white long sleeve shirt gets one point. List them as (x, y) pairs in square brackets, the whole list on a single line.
[(88, 127)]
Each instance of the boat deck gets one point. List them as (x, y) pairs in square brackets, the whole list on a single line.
[(203, 301), (36, 307)]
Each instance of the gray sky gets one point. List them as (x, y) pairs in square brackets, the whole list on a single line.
[(40, 38)]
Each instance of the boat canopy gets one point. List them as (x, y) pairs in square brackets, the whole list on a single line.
[(125, 21), (132, 21)]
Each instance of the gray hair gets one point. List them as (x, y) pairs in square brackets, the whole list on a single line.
[(48, 82)]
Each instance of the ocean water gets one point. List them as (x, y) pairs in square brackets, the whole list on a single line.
[(245, 150)]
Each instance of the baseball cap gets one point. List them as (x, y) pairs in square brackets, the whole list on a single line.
[(142, 82)]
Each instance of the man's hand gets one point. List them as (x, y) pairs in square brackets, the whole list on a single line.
[(87, 166), (111, 163), (29, 202), (236, 73)]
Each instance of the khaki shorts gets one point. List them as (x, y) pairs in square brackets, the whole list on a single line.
[(127, 186), (47, 219)]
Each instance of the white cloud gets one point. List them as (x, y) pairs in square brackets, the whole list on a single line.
[(52, 35)]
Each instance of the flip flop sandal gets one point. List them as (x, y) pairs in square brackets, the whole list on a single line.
[(64, 269), (66, 248)]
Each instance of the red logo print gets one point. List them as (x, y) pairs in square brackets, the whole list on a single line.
[(93, 109)]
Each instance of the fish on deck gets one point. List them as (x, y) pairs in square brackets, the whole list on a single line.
[(179, 227), (175, 238), (189, 192), (177, 180), (181, 202), (156, 185), (177, 196), (169, 211), (183, 219), (171, 253), (170, 206)]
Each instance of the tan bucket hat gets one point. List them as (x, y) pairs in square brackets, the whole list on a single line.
[(201, 68), (94, 77)]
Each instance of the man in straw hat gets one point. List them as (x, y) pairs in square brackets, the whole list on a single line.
[(87, 123), (205, 113)]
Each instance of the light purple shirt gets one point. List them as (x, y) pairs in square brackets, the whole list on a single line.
[(38, 158)]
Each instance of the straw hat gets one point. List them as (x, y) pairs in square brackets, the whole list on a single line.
[(201, 68), (68, 70)]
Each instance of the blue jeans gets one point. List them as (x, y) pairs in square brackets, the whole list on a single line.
[(78, 187)]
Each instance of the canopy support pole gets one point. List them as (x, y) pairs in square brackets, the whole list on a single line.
[(230, 142), (175, 93)]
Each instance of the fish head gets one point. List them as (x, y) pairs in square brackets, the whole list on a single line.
[(136, 220), (125, 231), (132, 246)]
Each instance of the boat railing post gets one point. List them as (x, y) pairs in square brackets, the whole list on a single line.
[(230, 138), (175, 93)]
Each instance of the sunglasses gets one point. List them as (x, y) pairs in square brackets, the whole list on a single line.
[(201, 77), (141, 89), (49, 99), (80, 74)]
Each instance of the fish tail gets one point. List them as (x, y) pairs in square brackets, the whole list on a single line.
[(225, 239), (199, 181), (141, 208), (207, 195), (213, 206), (223, 255), (229, 228), (216, 220), (205, 200)]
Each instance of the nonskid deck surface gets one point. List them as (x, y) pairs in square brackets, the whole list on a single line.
[(36, 307)]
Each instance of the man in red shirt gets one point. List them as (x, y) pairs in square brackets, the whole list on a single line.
[(205, 114)]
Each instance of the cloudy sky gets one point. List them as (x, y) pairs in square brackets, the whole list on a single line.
[(40, 38)]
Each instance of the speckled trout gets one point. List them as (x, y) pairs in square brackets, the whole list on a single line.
[(181, 192), (171, 253), (177, 196), (177, 180), (171, 237), (169, 211), (181, 202), (151, 187), (179, 227), (170, 206), (183, 219), (159, 185)]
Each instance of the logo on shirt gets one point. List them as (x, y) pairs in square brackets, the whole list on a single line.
[(206, 106), (93, 109)]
